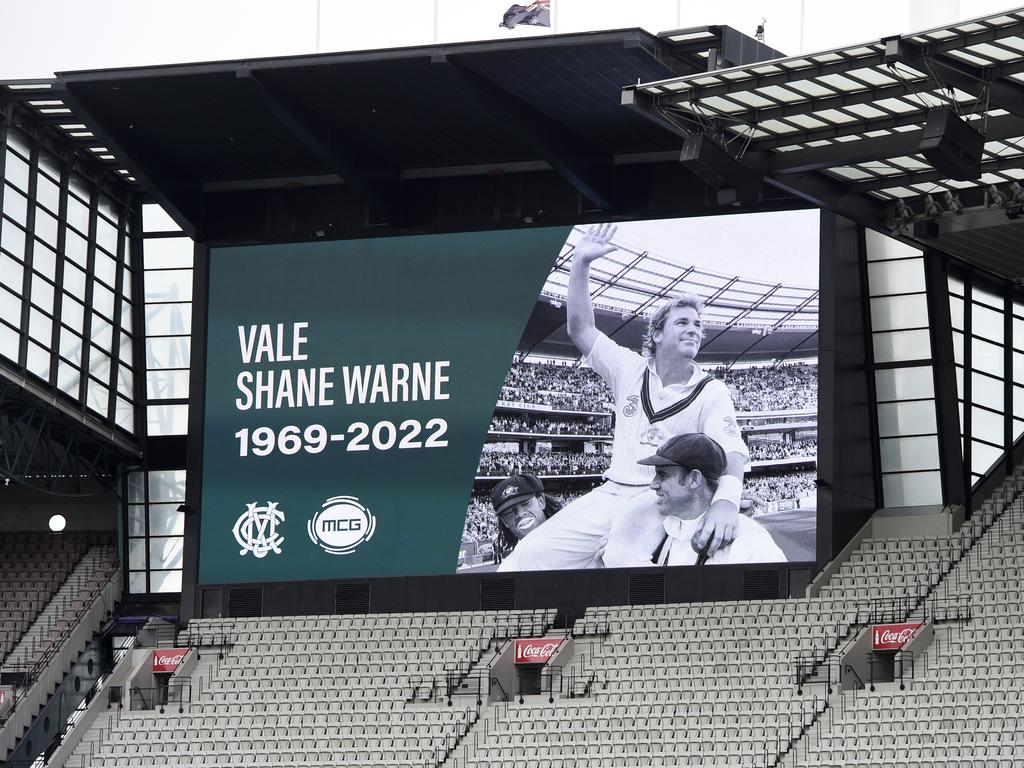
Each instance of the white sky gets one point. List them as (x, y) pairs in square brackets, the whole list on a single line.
[(40, 37)]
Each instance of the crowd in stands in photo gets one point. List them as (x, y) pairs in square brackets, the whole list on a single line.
[(778, 486), (764, 451), (782, 388), (541, 425), (505, 464), (570, 387)]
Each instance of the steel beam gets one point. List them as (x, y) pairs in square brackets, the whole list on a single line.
[(376, 176), (585, 166)]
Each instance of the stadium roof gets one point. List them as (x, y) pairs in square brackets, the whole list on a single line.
[(842, 129), (376, 118), (634, 282)]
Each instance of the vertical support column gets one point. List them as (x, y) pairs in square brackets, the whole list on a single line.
[(30, 228), (968, 480), (58, 274), (197, 407), (947, 418), (90, 283), (1008, 378)]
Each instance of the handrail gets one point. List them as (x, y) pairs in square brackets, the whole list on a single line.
[(900, 609), (496, 682), (31, 672)]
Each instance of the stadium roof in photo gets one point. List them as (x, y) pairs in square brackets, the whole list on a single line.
[(842, 129), (635, 282)]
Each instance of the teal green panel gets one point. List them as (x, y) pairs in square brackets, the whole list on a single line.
[(463, 299)]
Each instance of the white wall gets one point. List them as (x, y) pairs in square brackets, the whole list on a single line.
[(46, 36)]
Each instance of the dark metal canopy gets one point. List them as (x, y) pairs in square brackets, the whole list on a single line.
[(842, 129), (375, 119)]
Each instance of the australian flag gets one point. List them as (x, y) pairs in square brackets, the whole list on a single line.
[(537, 14)]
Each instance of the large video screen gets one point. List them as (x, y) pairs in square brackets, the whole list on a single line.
[(640, 394)]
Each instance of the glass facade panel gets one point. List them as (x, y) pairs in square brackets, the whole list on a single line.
[(983, 457), (78, 214), (168, 319), (167, 485), (171, 419), (168, 252), (880, 246), (46, 227), (896, 312), (956, 312), (167, 352), (897, 346), (38, 361), (137, 583), (155, 219), (903, 419), (901, 454), (12, 272), (12, 238), (8, 342), (69, 378), (165, 581), (47, 193), (136, 519), (912, 489), (987, 357), (165, 552), (15, 205), (987, 426), (987, 296), (889, 277), (167, 385), (169, 285), (136, 554), (16, 171), (166, 520), (987, 323), (42, 293), (987, 391)]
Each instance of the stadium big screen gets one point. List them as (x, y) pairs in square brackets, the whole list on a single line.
[(511, 400)]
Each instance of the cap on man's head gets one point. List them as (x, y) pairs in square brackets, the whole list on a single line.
[(692, 451), (514, 489)]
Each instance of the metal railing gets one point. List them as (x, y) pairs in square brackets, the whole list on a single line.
[(458, 678), (22, 676), (160, 697)]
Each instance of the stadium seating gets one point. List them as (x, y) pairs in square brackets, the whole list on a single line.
[(33, 566), (680, 684), (329, 690), (963, 704)]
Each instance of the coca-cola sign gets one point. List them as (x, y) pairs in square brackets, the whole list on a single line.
[(168, 659), (536, 651), (892, 637)]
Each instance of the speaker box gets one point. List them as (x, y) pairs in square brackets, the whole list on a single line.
[(951, 146)]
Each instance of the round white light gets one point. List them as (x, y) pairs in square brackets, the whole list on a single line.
[(57, 523)]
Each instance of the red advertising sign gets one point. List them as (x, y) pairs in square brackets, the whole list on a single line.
[(537, 651), (892, 637), (168, 659)]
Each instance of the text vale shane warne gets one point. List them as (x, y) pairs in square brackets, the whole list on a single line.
[(265, 388)]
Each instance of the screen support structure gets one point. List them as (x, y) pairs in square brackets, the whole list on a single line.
[(951, 459)]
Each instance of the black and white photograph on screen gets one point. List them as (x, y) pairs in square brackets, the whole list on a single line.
[(662, 401)]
